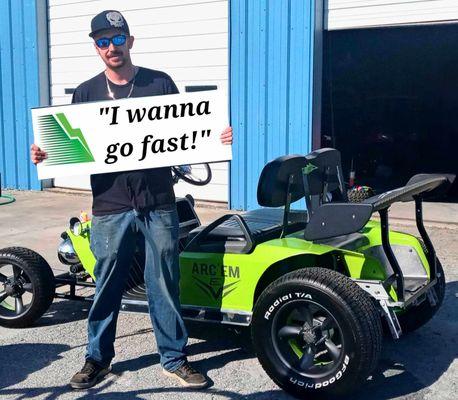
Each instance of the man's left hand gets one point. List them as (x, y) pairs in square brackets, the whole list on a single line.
[(226, 136)]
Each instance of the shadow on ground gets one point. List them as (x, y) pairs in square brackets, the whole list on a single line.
[(64, 311), (407, 366), (419, 359), (18, 361), (216, 339)]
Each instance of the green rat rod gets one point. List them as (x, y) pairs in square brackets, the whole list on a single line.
[(313, 285)]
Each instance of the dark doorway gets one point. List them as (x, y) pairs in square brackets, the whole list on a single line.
[(390, 102)]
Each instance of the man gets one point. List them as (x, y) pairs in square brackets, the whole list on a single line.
[(122, 202)]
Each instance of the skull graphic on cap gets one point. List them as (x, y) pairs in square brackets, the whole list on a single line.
[(115, 19)]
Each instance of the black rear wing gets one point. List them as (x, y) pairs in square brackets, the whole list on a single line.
[(335, 219), (424, 185), (418, 188)]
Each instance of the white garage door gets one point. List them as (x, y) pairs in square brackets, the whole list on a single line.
[(188, 39), (346, 14)]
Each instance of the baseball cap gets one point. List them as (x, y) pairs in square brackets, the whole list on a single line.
[(108, 19)]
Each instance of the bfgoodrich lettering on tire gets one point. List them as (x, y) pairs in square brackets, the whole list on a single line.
[(315, 331)]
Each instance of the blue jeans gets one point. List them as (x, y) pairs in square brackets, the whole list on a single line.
[(113, 241)]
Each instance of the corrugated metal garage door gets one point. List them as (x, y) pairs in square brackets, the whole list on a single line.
[(22, 86), (275, 77), (188, 39), (345, 14)]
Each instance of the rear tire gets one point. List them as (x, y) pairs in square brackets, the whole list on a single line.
[(416, 317), (24, 271), (340, 336)]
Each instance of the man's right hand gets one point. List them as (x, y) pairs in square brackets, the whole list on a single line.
[(36, 154)]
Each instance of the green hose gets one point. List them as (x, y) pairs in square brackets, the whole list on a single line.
[(9, 199)]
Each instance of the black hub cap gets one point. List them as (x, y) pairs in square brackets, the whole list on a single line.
[(16, 292), (307, 338)]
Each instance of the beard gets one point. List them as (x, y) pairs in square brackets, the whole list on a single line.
[(115, 60)]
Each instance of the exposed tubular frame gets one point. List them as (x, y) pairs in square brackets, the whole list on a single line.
[(398, 276)]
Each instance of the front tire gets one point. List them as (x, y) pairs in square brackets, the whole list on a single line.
[(316, 332), (26, 287)]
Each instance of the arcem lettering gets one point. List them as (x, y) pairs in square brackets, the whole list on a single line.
[(226, 271)]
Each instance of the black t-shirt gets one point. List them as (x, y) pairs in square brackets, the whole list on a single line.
[(141, 190)]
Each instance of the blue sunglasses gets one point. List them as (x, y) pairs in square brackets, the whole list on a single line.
[(117, 40)]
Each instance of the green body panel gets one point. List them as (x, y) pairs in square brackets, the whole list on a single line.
[(228, 281), (364, 266), (81, 244), (373, 232)]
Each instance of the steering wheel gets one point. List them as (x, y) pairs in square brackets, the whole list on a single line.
[(194, 177)]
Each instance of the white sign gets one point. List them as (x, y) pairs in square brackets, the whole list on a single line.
[(130, 134)]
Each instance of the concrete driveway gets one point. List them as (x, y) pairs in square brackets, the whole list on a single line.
[(38, 362)]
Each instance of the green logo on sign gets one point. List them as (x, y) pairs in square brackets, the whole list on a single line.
[(308, 169), (62, 143)]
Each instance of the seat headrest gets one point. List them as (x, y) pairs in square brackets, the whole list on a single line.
[(324, 165), (273, 182)]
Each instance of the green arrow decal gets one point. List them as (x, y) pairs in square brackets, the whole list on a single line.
[(62, 143), (72, 133), (309, 168), (210, 291)]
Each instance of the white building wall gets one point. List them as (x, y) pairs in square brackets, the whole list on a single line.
[(346, 14), (188, 39)]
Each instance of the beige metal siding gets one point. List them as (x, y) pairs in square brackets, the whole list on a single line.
[(188, 39), (346, 14)]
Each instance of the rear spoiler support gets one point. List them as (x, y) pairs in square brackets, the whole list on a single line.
[(431, 254), (399, 277)]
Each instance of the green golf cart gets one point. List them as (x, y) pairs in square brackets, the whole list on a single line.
[(315, 285)]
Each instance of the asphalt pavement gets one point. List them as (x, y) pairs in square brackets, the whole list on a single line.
[(38, 362)]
